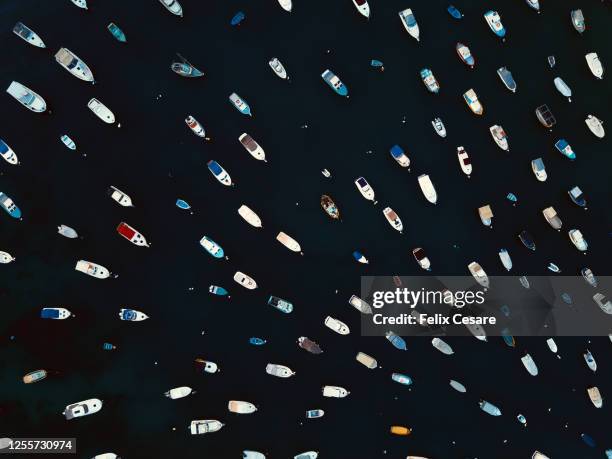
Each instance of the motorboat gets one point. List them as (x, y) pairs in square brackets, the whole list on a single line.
[(55, 313), (595, 396), (173, 6), (486, 215), (438, 126), (577, 197), (278, 68), (6, 258), (335, 392), (101, 110), (578, 20), (527, 240), (360, 257), (287, 5), (67, 232), (335, 83), (504, 256), (7, 153), (427, 188), (589, 277), (554, 268), (120, 197), (9, 206), (595, 65), (400, 430), (494, 21), (26, 97), (248, 454), (132, 315), (179, 392), (534, 4), (545, 116), (220, 291), (522, 420), (220, 174), (212, 247), (363, 7), (330, 208), (530, 365), (289, 242), (442, 346), (375, 63), (539, 455), (80, 3), (393, 219), (565, 149), (366, 360), (206, 366), (479, 274), (500, 137), (92, 269), (506, 76), (68, 142), (421, 258), (550, 342), (590, 360), (397, 341), (74, 65), (563, 88), (249, 216), (604, 303), (489, 408), (397, 153), (465, 55), (471, 99), (359, 304), (578, 240), (132, 235), (454, 12), (524, 282), (185, 68), (280, 371), (464, 161), (365, 189), (595, 125), (537, 166), (28, 35), (551, 216), (241, 407), (245, 280), (309, 345), (240, 104), (204, 426), (34, 376), (195, 126), (429, 80), (84, 408), (326, 173), (409, 23), (458, 386), (401, 379), (252, 147), (336, 325), (116, 32)]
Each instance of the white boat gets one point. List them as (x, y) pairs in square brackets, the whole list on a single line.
[(101, 111), (578, 240), (132, 235), (486, 215), (287, 5), (26, 97), (595, 65), (106, 456), (28, 35), (173, 6), (479, 274), (366, 360), (551, 216), (244, 280), (248, 454), (8, 154), (552, 345), (534, 4), (132, 315), (6, 257), (563, 88), (278, 68), (457, 386), (307, 455), (409, 22), (421, 258), (80, 3), (66, 231), (92, 269), (393, 219), (529, 365), (280, 371), (219, 173), (289, 242), (595, 125), (442, 346), (595, 396), (249, 216), (240, 407), (120, 197), (336, 325), (590, 360), (365, 189), (84, 408), (204, 426), (494, 21), (179, 392), (464, 161), (68, 142), (252, 147), (537, 166), (363, 7), (397, 153), (427, 188), (359, 304), (207, 366), (504, 256), (471, 99), (195, 126), (539, 455), (500, 137), (335, 392), (74, 64), (438, 126)]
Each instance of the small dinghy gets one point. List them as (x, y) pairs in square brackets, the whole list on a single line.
[(68, 142), (239, 104), (464, 161), (249, 216), (34, 376), (563, 88), (595, 125), (278, 68), (219, 173), (101, 111), (120, 197), (454, 12), (360, 257), (28, 35), (330, 208), (457, 386), (237, 18), (595, 65), (289, 242), (551, 61), (393, 219), (68, 232), (439, 127), (185, 69), (375, 63), (116, 32), (179, 392), (257, 341)]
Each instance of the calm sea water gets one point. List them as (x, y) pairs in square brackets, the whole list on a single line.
[(155, 159)]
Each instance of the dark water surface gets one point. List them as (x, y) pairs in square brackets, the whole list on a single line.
[(155, 159)]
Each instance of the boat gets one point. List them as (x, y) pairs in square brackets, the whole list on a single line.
[(554, 268), (537, 166), (34, 376), (512, 198), (287, 5), (204, 426), (567, 299), (409, 23), (240, 407), (80, 3), (366, 360), (589, 277), (359, 304), (280, 304), (9, 206), (508, 338), (595, 125), (206, 366), (477, 331), (120, 197), (335, 392), (401, 379), (220, 174), (421, 258), (438, 126), (545, 116), (442, 346), (552, 345), (479, 274), (179, 392), (116, 32), (457, 386), (534, 4), (565, 149), (245, 280), (527, 240), (132, 235), (240, 104), (132, 315), (590, 360), (588, 440), (7, 153), (68, 232), (257, 341), (500, 137), (506, 76), (249, 216), (400, 430), (278, 68), (397, 341), (489, 408), (595, 396), (464, 161), (212, 247), (551, 216), (336, 325), (74, 65), (6, 258), (252, 147), (289, 242), (309, 345), (84, 408), (454, 12), (465, 55), (494, 21), (529, 364), (551, 61), (578, 20), (577, 197), (595, 65), (360, 257), (280, 371), (563, 88), (330, 208), (539, 455), (68, 142), (173, 6), (429, 80), (363, 8), (522, 420), (504, 256), (427, 188), (28, 35), (101, 110), (604, 304), (578, 240), (335, 83), (92, 269), (26, 97), (524, 281), (219, 291), (377, 64), (237, 18), (486, 215), (397, 153), (195, 127), (365, 189), (471, 99), (393, 219), (181, 204), (185, 68), (55, 313)]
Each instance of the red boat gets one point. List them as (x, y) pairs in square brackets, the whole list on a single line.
[(131, 235)]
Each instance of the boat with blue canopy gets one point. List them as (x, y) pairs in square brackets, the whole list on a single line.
[(9, 206), (396, 340), (577, 197), (454, 12), (116, 32), (565, 149), (360, 257)]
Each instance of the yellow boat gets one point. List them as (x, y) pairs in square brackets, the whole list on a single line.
[(401, 430)]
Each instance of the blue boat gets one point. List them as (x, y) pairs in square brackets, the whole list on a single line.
[(212, 247), (508, 338), (9, 206), (396, 340), (397, 153), (588, 440), (182, 204), (511, 197), (577, 197), (109, 347), (240, 104), (216, 290), (494, 21), (360, 257), (377, 64), (335, 83), (238, 18), (54, 313), (505, 310), (565, 149), (454, 12), (116, 32), (257, 341), (567, 299)]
